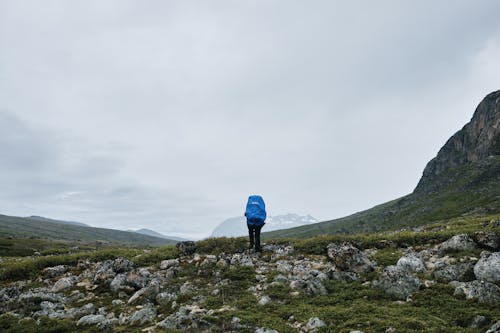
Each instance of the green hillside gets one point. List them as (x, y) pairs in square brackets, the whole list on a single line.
[(20, 227)]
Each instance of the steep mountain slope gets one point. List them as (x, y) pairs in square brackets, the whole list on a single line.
[(236, 226), (11, 226), (464, 178), (153, 233)]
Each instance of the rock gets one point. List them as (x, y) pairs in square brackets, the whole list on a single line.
[(165, 298), (488, 267), (411, 263), (312, 325), (187, 288), (64, 283), (122, 265), (398, 282), (143, 316), (166, 264), (484, 292), (487, 239), (479, 321), (280, 279), (118, 283), (209, 260), (31, 297), (495, 328), (283, 266), (347, 257), (55, 270), (342, 276), (148, 292), (315, 287), (264, 300), (91, 320), (457, 243), (104, 273), (117, 302), (222, 263), (460, 272)]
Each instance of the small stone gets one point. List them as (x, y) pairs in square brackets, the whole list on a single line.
[(166, 264), (264, 300)]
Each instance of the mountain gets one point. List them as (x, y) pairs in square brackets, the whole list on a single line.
[(236, 226), (153, 233), (44, 219), (23, 227), (464, 178)]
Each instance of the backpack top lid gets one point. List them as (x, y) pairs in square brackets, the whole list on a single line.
[(256, 208)]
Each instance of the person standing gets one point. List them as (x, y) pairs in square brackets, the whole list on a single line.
[(256, 217)]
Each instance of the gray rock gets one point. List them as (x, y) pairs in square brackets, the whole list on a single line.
[(342, 276), (462, 272), (487, 239), (347, 257), (187, 288), (283, 266), (165, 298), (280, 279), (118, 283), (488, 267), (411, 262), (148, 292), (166, 264), (264, 300), (91, 320), (398, 282), (457, 243), (484, 292), (314, 286), (122, 265), (479, 321), (312, 325), (30, 297), (495, 328), (143, 316), (63, 284), (55, 270)]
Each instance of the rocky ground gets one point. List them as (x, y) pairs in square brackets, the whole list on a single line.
[(233, 292)]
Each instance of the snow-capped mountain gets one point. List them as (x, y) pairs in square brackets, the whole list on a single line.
[(237, 226)]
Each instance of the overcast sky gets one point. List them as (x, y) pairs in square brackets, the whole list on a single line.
[(168, 114)]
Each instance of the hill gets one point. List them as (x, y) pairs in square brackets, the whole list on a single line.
[(44, 219), (236, 226), (153, 233), (20, 227), (463, 178)]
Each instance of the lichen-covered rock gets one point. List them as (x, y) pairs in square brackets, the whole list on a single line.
[(122, 265), (495, 328), (166, 264), (143, 316), (398, 282), (462, 272), (347, 257), (484, 292), (312, 325), (55, 270), (457, 243), (487, 239), (411, 262), (165, 298), (488, 267), (91, 320), (118, 283), (64, 283)]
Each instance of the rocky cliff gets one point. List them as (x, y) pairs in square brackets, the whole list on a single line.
[(475, 142)]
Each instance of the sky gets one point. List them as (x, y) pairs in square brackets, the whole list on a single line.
[(168, 114)]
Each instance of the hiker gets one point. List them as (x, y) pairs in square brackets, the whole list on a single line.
[(256, 216)]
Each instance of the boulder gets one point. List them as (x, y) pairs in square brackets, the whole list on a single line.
[(122, 265), (166, 264), (457, 243), (143, 316), (495, 328), (165, 298), (484, 292), (91, 320), (488, 267), (148, 292), (63, 284), (487, 239), (118, 283), (411, 262), (55, 270), (312, 325), (346, 257), (460, 272), (397, 282)]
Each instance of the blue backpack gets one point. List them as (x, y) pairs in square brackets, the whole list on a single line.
[(256, 211)]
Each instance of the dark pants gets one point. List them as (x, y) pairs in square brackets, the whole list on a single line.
[(254, 234)]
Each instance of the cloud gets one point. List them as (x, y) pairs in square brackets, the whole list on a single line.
[(168, 115)]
